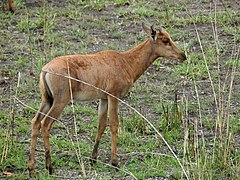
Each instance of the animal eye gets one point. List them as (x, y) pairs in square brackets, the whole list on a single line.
[(166, 41)]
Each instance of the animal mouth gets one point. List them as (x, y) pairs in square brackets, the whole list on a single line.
[(183, 57)]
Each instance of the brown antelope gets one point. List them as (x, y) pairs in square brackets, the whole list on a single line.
[(114, 72)]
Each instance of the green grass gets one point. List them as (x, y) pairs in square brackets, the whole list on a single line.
[(194, 105)]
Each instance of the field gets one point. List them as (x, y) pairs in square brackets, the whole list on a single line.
[(194, 106)]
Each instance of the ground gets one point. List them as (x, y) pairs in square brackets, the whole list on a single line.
[(194, 105)]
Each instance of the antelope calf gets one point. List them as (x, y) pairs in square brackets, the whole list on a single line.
[(112, 71)]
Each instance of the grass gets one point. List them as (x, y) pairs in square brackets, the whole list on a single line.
[(195, 105)]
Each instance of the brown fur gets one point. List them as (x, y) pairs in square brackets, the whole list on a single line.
[(11, 5), (114, 72)]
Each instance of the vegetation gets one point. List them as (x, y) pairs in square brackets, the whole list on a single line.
[(194, 105)]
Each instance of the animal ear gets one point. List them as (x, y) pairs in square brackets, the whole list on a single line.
[(150, 31), (161, 29), (153, 34)]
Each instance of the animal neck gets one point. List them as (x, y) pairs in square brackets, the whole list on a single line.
[(140, 58)]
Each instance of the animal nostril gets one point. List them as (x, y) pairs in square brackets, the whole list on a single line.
[(184, 56)]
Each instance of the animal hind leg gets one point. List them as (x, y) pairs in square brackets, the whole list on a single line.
[(46, 124), (36, 124)]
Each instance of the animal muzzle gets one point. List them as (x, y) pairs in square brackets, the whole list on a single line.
[(183, 57)]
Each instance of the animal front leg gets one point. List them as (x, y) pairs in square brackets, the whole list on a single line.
[(113, 119), (102, 115)]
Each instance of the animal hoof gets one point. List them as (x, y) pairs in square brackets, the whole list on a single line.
[(93, 161), (31, 172), (51, 170), (115, 164)]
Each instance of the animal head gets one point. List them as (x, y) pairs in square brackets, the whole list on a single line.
[(163, 44)]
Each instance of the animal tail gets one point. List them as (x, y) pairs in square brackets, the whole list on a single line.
[(45, 89)]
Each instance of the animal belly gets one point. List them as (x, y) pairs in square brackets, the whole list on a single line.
[(89, 95)]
